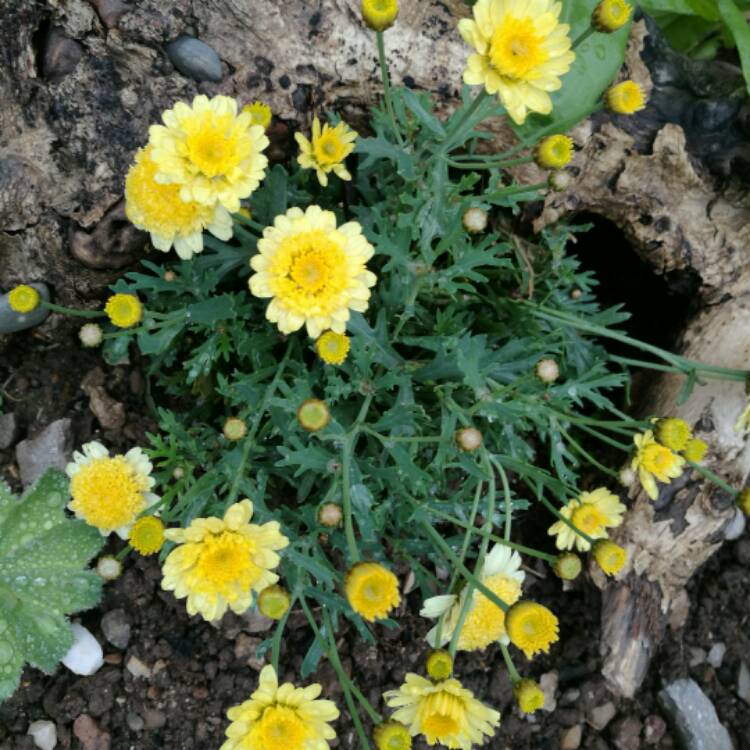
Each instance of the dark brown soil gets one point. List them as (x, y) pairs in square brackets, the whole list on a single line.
[(197, 670)]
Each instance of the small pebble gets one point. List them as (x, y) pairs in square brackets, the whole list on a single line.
[(600, 716), (570, 697), (137, 668), (11, 321), (697, 657), (134, 722), (736, 527), (44, 734), (154, 719), (742, 551), (195, 59), (743, 683), (548, 684), (570, 739), (85, 656), (8, 430), (655, 728), (116, 628), (716, 654)]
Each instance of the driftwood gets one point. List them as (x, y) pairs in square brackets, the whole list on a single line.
[(85, 78)]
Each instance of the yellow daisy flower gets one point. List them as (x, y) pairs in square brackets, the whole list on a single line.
[(611, 15), (444, 712), (24, 299), (695, 450), (379, 14), (593, 513), (610, 556), (521, 50), (210, 151), (485, 621), (147, 535), (313, 414), (327, 150), (372, 591), (625, 98), (260, 114), (159, 210), (673, 432), (528, 695), (314, 271), (531, 627), (554, 152), (654, 461), (124, 310), (110, 492), (281, 717), (439, 665), (391, 735), (220, 562), (332, 347)]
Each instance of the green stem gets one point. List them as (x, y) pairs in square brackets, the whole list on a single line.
[(514, 676), (715, 478), (583, 452), (52, 307), (387, 87), (583, 37), (604, 438), (468, 112), (489, 164), (276, 643), (508, 503), (346, 467), (404, 438), (514, 189)]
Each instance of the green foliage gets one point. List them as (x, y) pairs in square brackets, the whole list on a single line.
[(43, 555)]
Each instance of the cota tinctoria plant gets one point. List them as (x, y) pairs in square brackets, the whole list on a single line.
[(43, 577)]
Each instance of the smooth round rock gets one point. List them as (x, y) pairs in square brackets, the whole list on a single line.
[(11, 321), (85, 656), (195, 59)]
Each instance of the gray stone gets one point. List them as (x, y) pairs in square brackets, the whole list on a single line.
[(654, 729), (697, 657), (116, 628), (11, 321), (736, 527), (44, 734), (548, 683), (135, 722), (8, 430), (570, 739), (137, 668), (694, 717), (716, 654), (50, 449), (743, 683), (600, 716), (195, 59)]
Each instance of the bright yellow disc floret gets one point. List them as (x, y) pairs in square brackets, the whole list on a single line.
[(695, 450), (24, 299), (327, 150), (391, 735), (654, 461), (379, 14), (147, 535), (124, 310), (439, 665), (260, 113), (332, 347), (610, 556), (372, 591), (531, 627), (625, 98), (485, 622), (611, 15), (673, 433), (528, 695), (554, 152)]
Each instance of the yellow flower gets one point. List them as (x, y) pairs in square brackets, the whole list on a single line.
[(611, 15), (444, 712), (220, 562), (158, 209), (147, 535), (24, 299), (110, 492), (313, 414), (379, 14), (743, 501), (531, 627), (439, 665), (593, 513), (372, 591), (695, 450), (485, 621), (234, 429), (521, 50), (392, 736), (260, 114), (625, 98), (124, 310), (274, 602), (281, 717), (673, 433), (314, 271), (332, 347), (528, 695), (653, 461), (610, 556), (210, 151), (554, 152), (327, 151)]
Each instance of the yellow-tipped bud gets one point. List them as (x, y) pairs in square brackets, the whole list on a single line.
[(124, 310), (313, 414), (379, 14), (673, 433), (332, 347), (234, 429), (611, 15), (392, 736), (610, 556), (743, 501), (274, 601), (24, 299), (260, 114), (625, 98), (547, 370), (330, 515), (439, 665), (475, 220), (554, 152), (147, 535), (695, 450), (468, 439), (528, 695), (568, 566)]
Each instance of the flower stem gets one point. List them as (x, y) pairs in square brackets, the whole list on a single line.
[(489, 164), (387, 96), (346, 467), (717, 480), (583, 37), (463, 119), (73, 312), (512, 671)]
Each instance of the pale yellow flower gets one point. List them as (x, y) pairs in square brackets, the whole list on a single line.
[(327, 150), (372, 591), (654, 461), (593, 513)]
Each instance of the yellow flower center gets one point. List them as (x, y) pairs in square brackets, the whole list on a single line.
[(332, 347), (441, 715), (531, 627), (516, 50), (214, 144), (147, 535), (281, 728), (225, 560), (108, 493), (372, 591), (588, 519), (657, 459), (485, 622), (329, 148)]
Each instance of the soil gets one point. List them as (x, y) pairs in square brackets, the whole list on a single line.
[(189, 672)]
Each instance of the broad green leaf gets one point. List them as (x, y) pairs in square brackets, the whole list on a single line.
[(736, 22)]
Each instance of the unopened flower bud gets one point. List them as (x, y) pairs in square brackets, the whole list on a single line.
[(695, 450), (625, 98), (274, 601), (560, 180), (528, 695), (468, 439), (379, 14), (672, 432), (611, 15), (108, 567), (610, 556), (475, 220), (90, 335), (439, 665), (554, 151), (234, 429), (743, 501), (547, 370), (568, 566), (178, 473), (626, 476), (576, 293), (329, 515), (313, 414), (169, 275)]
